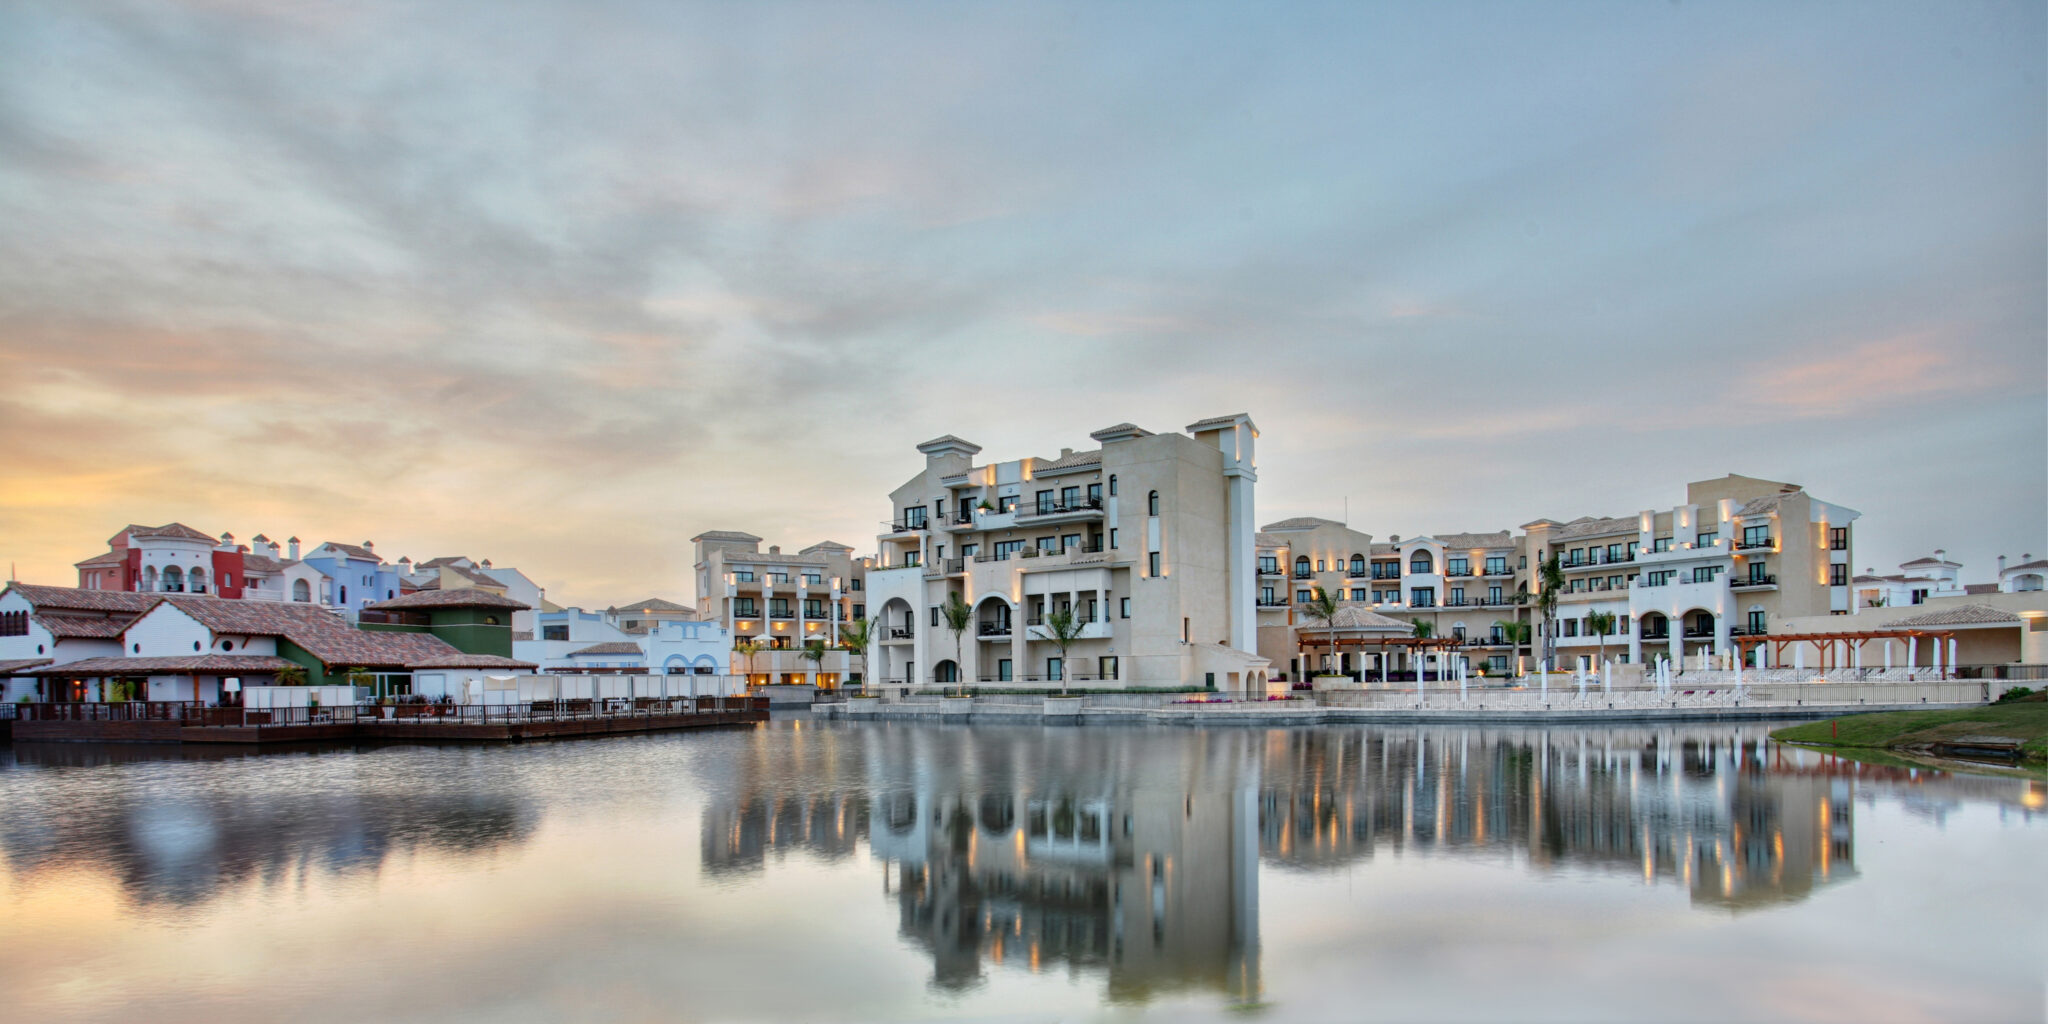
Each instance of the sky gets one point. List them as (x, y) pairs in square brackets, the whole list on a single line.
[(565, 284)]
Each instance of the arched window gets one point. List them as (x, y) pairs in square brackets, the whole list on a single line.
[(174, 579), (1357, 565), (301, 591), (1112, 485), (198, 580), (344, 595), (1421, 562), (1152, 504), (1301, 568), (149, 578), (2027, 583)]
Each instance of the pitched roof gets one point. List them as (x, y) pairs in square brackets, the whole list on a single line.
[(461, 660), (725, 535), (827, 545), (655, 604), (8, 668), (435, 563), (1928, 560), (1217, 421), (608, 647), (1974, 589), (476, 576), (75, 627), (354, 551), (1300, 523), (177, 530), (1356, 618), (1767, 503), (361, 648), (1267, 540), (109, 558), (1961, 615), (210, 664), (447, 599), (1597, 526), (1475, 540), (1072, 460), (76, 599), (2038, 563), (258, 618), (261, 563)]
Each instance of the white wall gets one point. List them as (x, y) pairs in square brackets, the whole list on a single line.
[(166, 632)]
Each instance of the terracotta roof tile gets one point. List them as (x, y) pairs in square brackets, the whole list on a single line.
[(608, 647), (655, 604), (447, 599), (8, 668), (1300, 523), (110, 558), (75, 627), (209, 664), (177, 530), (1962, 615), (76, 599), (460, 660)]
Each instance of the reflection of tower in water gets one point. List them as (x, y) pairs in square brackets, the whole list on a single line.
[(1146, 871)]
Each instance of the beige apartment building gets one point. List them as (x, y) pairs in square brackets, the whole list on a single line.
[(782, 602), (1740, 554), (1146, 539)]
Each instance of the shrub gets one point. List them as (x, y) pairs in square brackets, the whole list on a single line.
[(2017, 693)]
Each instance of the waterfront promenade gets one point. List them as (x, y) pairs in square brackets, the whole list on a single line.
[(1558, 703), (188, 722)]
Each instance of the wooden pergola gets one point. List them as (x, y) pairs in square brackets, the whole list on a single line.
[(1845, 649), (1413, 645)]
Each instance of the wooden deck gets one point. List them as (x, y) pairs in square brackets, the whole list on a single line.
[(483, 725)]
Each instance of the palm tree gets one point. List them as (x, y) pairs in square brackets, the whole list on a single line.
[(747, 649), (958, 616), (1546, 605), (856, 636), (1423, 629), (1516, 633), (813, 652), (1062, 628), (1321, 608), (1601, 624)]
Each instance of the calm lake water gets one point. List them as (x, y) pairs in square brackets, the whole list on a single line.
[(881, 871)]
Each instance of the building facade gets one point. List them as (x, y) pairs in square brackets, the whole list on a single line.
[(776, 604), (1147, 542)]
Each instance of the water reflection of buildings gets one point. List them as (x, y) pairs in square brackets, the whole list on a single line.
[(1738, 821), (186, 845), (1134, 853)]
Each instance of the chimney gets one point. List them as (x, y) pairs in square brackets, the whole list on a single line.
[(774, 549), (371, 548), (2001, 565), (1066, 452), (294, 542), (487, 563), (1393, 538), (405, 564), (1941, 554)]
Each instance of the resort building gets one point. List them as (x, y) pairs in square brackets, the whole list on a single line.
[(2000, 629), (458, 572), (777, 604), (573, 640), (185, 647), (1146, 542), (1681, 583)]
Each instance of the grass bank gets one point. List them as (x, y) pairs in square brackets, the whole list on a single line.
[(2025, 719)]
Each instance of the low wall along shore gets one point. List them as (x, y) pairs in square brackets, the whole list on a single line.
[(1561, 702)]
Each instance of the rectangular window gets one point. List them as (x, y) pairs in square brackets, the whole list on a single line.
[(935, 615), (1304, 596), (744, 607), (778, 577), (812, 579), (1496, 565), (1070, 540), (1576, 557), (1457, 597), (1006, 503), (913, 559), (1705, 573), (743, 575), (1358, 593), (1756, 536), (1838, 538), (1106, 666), (1660, 544), (853, 584), (1269, 565), (1152, 563), (1458, 566), (860, 611), (1045, 502), (1003, 670), (1055, 669), (814, 608), (1658, 577), (1422, 597), (1707, 539), (1124, 607), (1112, 538), (1048, 545), (778, 608), (1571, 627), (1524, 561), (1756, 622), (1759, 570), (1838, 575), (914, 517), (554, 632), (1493, 595), (1615, 582), (1070, 497), (1094, 494)]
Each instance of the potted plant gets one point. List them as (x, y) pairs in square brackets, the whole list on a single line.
[(984, 507)]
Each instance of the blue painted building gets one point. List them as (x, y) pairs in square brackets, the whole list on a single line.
[(357, 576)]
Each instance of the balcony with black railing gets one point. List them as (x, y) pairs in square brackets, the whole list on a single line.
[(1764, 580), (1272, 602), (988, 629), (1076, 507), (1386, 572), (1752, 543)]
